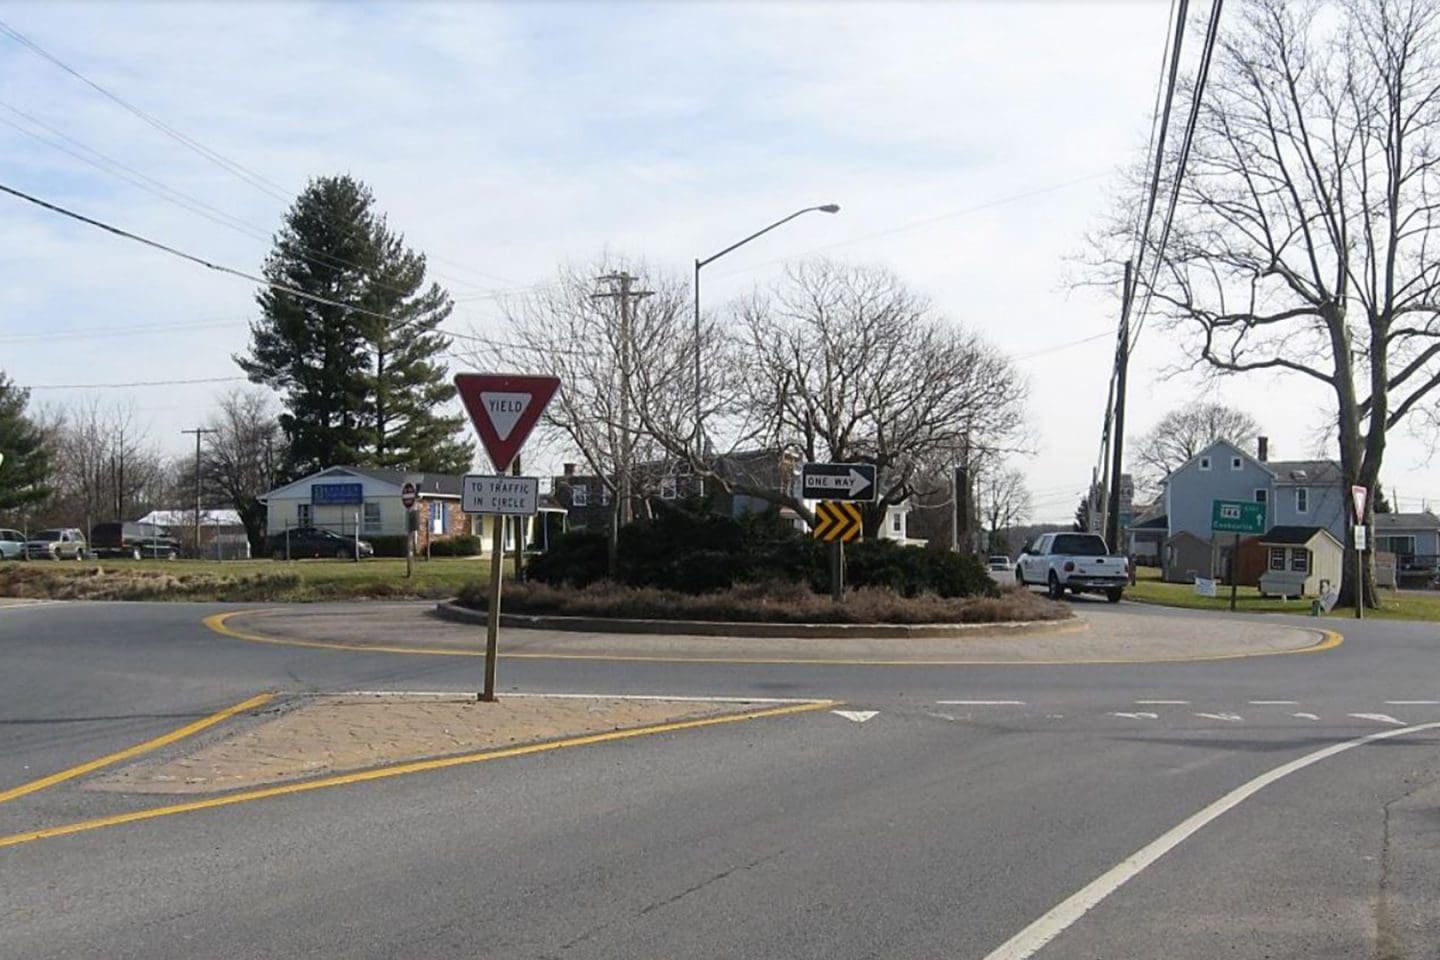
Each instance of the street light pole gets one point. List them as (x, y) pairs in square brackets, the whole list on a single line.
[(823, 208)]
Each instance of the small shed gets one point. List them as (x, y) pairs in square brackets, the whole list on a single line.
[(1187, 557), (1147, 539), (1300, 561)]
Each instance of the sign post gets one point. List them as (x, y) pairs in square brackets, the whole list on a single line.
[(837, 522), (1359, 496), (1237, 517), (504, 409), (408, 494)]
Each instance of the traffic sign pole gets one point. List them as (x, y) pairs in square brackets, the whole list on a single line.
[(492, 619), (1234, 565)]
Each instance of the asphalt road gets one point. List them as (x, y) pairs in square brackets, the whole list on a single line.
[(974, 803)]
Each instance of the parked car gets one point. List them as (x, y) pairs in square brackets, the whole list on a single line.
[(1077, 562), (12, 544), (134, 540), (315, 542), (1000, 569), (61, 543)]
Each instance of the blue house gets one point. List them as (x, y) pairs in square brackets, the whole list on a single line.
[(1298, 494), (1414, 539)]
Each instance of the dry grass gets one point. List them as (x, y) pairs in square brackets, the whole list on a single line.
[(264, 581), (767, 603)]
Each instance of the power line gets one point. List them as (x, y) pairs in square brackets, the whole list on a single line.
[(132, 383), (247, 175), (1202, 74), (283, 288), (100, 333)]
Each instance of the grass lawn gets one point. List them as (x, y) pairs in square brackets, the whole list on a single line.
[(1394, 605), (263, 580)]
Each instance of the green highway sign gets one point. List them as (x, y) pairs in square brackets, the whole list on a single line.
[(1237, 516)]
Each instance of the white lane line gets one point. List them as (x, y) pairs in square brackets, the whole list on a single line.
[(1230, 717), (1029, 941), (981, 703), (1377, 717), (1305, 716), (1162, 703), (1411, 703), (1274, 703), (1137, 716)]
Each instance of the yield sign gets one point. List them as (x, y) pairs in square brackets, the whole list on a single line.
[(504, 409), (1359, 495)]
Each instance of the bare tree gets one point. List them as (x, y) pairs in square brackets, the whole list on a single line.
[(104, 469), (841, 363), (242, 452), (1004, 498), (1183, 433), (1302, 235), (622, 378)]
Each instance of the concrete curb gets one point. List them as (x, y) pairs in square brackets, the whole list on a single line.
[(777, 631)]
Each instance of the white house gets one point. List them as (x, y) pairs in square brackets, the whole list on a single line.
[(341, 498)]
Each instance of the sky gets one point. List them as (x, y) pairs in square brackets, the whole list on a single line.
[(970, 145)]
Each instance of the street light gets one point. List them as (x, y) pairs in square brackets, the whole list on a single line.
[(823, 208)]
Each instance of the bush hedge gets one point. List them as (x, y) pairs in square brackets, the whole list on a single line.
[(693, 551), (460, 545), (387, 546)]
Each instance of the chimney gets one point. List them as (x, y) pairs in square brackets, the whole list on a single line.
[(569, 469), (1262, 449)]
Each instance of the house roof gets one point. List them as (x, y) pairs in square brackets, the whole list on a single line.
[(1158, 522), (1232, 447), (1407, 521), (1312, 473), (1285, 536)]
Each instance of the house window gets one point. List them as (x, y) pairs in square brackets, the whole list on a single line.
[(897, 523), (1261, 495), (1236, 463), (1302, 500), (579, 495), (1401, 544), (1300, 560), (302, 514), (439, 517), (372, 518), (667, 488), (477, 525), (1277, 558), (1204, 463), (604, 496)]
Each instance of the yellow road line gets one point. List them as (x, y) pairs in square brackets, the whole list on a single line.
[(218, 623), (403, 769), (135, 751)]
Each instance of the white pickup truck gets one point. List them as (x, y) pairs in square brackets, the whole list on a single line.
[(1078, 562)]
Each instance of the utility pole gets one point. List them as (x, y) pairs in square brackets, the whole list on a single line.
[(625, 294), (1117, 434), (199, 434)]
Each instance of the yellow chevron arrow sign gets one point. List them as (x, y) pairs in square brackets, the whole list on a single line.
[(837, 520)]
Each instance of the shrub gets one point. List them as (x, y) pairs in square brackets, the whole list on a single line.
[(765, 603), (910, 571), (460, 545), (387, 546), (577, 557)]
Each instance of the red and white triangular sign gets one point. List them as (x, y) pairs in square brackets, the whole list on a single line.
[(504, 408), (1359, 495)]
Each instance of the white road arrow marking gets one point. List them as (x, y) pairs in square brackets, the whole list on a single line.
[(981, 703), (1230, 717), (1411, 703), (1137, 716), (859, 716), (1377, 717), (1305, 716)]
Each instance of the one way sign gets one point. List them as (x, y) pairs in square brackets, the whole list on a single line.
[(838, 481)]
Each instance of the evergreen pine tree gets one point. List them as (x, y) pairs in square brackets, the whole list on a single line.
[(25, 471), (356, 388)]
